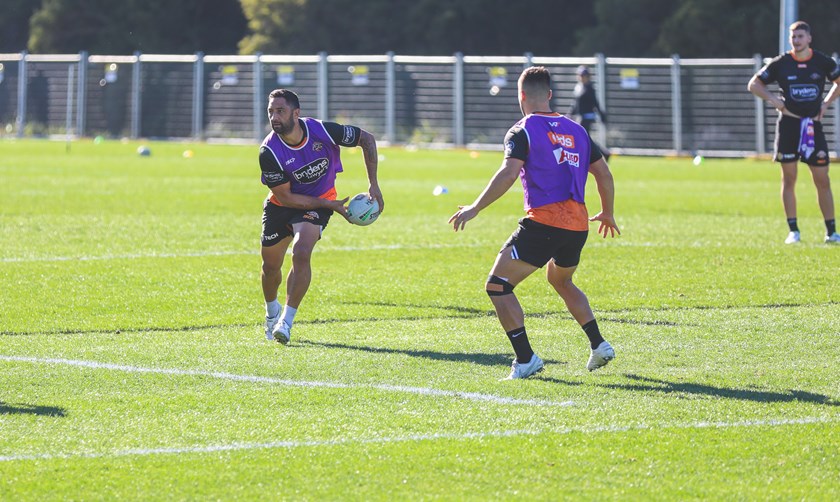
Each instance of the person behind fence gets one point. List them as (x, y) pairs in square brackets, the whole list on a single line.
[(552, 155), (801, 75), (586, 104), (299, 160)]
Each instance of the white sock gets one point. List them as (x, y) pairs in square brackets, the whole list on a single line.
[(289, 314), (272, 308)]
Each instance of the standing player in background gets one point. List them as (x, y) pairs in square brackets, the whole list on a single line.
[(552, 155), (586, 104), (801, 75), (299, 160)]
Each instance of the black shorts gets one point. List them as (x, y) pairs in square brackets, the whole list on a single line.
[(787, 142), (277, 221), (535, 243)]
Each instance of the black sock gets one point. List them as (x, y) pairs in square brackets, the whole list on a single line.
[(830, 227), (521, 346), (593, 333), (792, 225)]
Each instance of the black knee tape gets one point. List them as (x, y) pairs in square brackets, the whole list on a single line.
[(496, 286)]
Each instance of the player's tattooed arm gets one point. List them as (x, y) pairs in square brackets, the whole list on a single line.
[(368, 145)]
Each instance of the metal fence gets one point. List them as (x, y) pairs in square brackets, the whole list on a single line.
[(654, 106)]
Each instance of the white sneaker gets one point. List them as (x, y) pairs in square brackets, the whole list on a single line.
[(600, 356), (792, 238), (270, 322), (282, 332), (833, 238), (519, 370)]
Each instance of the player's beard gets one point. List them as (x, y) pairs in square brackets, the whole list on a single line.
[(282, 128)]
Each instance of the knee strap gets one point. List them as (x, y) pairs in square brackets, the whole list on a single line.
[(496, 286)]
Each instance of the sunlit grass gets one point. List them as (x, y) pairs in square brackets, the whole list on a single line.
[(133, 365)]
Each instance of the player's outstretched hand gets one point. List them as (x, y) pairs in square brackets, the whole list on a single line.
[(608, 224), (462, 216), (376, 193), (339, 206)]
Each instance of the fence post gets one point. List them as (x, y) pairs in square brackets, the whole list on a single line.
[(601, 93), (390, 98), (760, 120), (787, 15), (136, 99), (676, 103), (529, 58), (20, 120), (198, 96), (259, 112), (836, 106), (458, 100), (81, 95), (323, 83), (68, 113)]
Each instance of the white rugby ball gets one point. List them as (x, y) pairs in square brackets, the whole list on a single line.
[(362, 210)]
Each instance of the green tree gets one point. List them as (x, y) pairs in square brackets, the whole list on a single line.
[(698, 29), (273, 25), (425, 27), (14, 23), (108, 27), (824, 18), (626, 28), (690, 28)]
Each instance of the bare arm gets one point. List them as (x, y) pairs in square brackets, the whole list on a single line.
[(498, 185), (833, 93), (284, 195), (760, 90), (606, 190), (368, 145)]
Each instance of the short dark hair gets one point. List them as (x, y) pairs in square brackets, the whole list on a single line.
[(290, 97), (535, 79), (800, 25)]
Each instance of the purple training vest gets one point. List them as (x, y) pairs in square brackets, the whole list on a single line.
[(558, 160), (312, 166)]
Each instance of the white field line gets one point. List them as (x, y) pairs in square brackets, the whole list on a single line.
[(422, 391), (132, 256), (322, 248), (418, 437), (200, 254)]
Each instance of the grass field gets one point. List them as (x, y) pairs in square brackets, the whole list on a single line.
[(133, 366)]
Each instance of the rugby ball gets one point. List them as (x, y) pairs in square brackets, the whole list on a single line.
[(362, 210)]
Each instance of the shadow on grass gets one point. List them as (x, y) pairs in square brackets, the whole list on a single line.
[(476, 358), (29, 409), (460, 357), (455, 312), (760, 396), (461, 312)]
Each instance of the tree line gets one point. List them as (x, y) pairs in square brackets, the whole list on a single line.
[(631, 28)]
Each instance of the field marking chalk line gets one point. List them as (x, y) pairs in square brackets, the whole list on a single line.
[(422, 391), (416, 437), (201, 254)]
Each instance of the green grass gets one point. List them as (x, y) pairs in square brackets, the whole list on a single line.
[(132, 363)]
